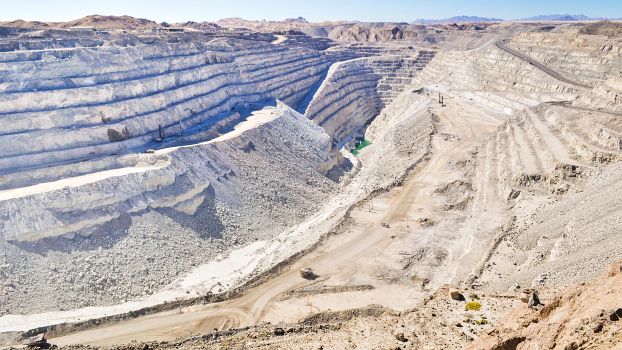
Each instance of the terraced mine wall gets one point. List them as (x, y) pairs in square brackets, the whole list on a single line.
[(411, 34), (522, 88), (588, 58), (115, 150), (594, 60), (355, 91), (347, 98), (558, 141), (72, 109), (475, 75), (114, 160), (605, 96), (130, 169)]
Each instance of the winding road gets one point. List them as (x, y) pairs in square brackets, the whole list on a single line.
[(540, 66)]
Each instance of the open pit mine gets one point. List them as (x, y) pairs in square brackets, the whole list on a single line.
[(290, 185)]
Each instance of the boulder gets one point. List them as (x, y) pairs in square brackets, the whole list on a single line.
[(308, 274), (534, 300), (401, 337), (456, 295)]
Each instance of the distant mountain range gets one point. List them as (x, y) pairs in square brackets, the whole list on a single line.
[(296, 20), (463, 19), (300, 23), (458, 19), (564, 18)]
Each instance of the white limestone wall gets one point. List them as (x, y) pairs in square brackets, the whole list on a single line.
[(587, 58), (347, 98), (355, 91), (62, 110), (494, 78), (180, 179)]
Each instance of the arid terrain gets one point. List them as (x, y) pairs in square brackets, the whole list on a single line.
[(293, 185)]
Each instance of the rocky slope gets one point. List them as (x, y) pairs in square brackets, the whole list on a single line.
[(582, 317)]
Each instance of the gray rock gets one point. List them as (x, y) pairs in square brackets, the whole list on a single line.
[(400, 336), (534, 300), (456, 295)]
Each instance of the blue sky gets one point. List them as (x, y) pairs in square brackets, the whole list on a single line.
[(313, 10)]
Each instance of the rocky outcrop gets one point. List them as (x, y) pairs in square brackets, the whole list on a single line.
[(577, 318)]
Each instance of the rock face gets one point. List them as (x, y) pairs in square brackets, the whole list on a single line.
[(100, 110), (355, 91), (67, 109), (456, 295), (576, 318), (347, 99)]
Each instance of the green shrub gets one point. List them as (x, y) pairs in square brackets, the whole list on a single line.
[(473, 306), (360, 146), (481, 322)]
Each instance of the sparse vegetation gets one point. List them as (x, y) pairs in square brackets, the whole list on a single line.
[(481, 321), (473, 306)]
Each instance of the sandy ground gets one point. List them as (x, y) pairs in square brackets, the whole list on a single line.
[(343, 260)]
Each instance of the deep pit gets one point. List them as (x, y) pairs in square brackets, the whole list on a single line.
[(156, 172)]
